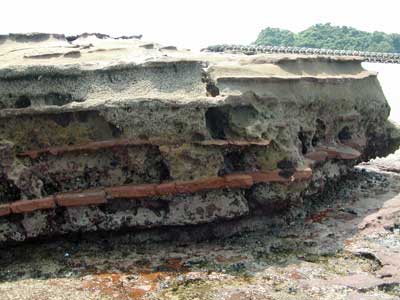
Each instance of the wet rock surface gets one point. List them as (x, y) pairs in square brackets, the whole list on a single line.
[(345, 246)]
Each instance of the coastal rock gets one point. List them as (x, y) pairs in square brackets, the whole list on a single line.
[(106, 134)]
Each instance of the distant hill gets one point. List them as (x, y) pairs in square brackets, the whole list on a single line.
[(331, 37)]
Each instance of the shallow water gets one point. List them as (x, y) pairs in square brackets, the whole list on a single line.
[(389, 75)]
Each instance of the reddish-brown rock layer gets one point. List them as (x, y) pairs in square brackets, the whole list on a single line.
[(97, 197), (81, 199), (24, 206), (5, 210)]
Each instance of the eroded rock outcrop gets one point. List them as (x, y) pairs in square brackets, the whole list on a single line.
[(102, 134)]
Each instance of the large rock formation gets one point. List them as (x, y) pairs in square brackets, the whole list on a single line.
[(102, 134)]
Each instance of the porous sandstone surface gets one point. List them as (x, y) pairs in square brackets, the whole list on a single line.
[(100, 134)]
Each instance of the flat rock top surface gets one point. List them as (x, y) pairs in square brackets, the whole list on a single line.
[(148, 68), (88, 52), (348, 248)]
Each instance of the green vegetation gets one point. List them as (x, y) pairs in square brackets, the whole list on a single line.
[(331, 37)]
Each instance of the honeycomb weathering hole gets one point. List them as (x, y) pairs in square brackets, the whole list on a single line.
[(305, 143), (22, 102), (216, 122), (212, 89), (320, 132), (344, 134), (58, 99)]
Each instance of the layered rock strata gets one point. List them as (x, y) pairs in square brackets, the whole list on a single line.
[(103, 134)]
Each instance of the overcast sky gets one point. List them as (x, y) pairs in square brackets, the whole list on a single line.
[(193, 24)]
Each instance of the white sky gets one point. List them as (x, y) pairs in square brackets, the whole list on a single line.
[(193, 24)]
